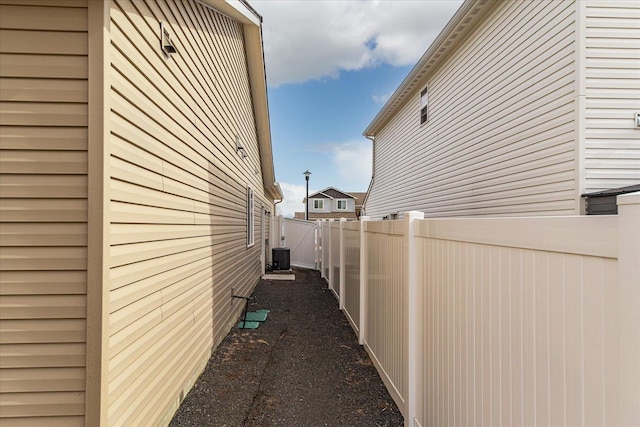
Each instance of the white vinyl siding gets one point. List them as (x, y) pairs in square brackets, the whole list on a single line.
[(612, 141), (43, 212), (500, 139), (178, 200)]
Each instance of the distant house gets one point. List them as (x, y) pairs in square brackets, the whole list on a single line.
[(136, 183), (517, 108), (333, 203)]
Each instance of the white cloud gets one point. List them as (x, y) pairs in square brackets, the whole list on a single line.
[(353, 160), (293, 196), (381, 99), (306, 40)]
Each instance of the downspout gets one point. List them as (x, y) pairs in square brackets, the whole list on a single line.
[(373, 172), (373, 163)]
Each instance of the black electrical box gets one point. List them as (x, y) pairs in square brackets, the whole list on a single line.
[(281, 259), (605, 202)]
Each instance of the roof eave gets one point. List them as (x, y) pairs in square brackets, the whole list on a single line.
[(252, 28)]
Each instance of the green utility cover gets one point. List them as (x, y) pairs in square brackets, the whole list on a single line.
[(256, 316), (248, 325)]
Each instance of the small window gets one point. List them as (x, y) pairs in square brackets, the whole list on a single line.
[(249, 216), (342, 205), (318, 204), (424, 105)]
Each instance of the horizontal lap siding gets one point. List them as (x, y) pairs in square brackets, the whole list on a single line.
[(178, 201), (500, 135), (612, 147), (43, 212)]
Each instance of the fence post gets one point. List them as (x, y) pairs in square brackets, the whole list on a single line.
[(628, 303), (342, 262), (318, 245), (363, 281), (323, 248), (331, 243), (414, 314)]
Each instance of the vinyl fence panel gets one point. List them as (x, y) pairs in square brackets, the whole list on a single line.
[(520, 321), (386, 301), (334, 274), (351, 233)]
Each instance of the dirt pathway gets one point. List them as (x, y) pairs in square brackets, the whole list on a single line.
[(302, 367)]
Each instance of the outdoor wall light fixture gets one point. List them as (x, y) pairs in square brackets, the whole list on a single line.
[(240, 148), (165, 41)]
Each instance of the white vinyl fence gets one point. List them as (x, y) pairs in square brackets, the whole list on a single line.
[(334, 257), (499, 321), (325, 249), (351, 272), (300, 238)]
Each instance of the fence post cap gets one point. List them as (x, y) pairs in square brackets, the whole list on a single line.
[(628, 199), (414, 214)]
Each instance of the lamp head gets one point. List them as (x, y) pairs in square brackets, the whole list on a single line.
[(306, 175)]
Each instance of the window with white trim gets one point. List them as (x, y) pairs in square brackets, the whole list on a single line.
[(250, 217), (424, 105), (342, 205), (318, 204)]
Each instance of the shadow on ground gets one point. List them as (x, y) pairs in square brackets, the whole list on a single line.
[(303, 366)]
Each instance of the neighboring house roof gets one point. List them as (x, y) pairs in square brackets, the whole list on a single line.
[(252, 28), (359, 198), (462, 23), (320, 195), (331, 193)]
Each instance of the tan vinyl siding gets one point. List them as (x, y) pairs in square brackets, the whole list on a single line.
[(43, 212), (612, 141), (178, 200), (501, 130)]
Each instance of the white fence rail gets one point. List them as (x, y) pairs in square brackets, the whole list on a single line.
[(501, 321)]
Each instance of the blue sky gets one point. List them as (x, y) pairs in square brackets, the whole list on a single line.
[(318, 125), (331, 66)]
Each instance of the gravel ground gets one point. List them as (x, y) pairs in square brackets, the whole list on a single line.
[(303, 366)]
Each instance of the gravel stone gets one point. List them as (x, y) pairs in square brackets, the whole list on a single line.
[(303, 366)]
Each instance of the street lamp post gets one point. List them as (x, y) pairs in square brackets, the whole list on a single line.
[(306, 177)]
